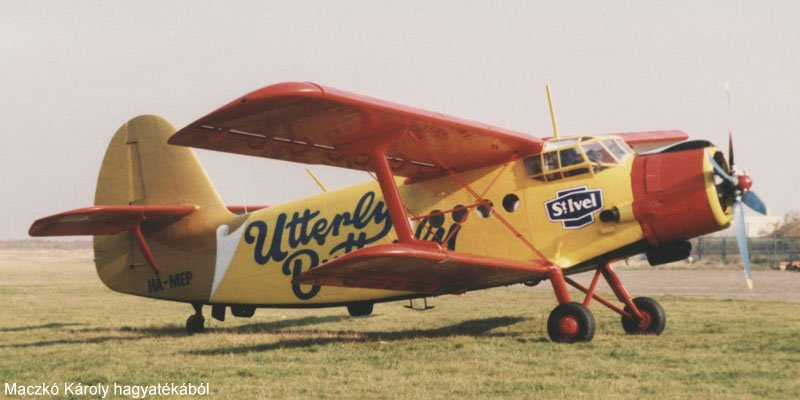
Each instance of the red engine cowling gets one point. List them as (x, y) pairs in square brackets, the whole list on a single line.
[(675, 197)]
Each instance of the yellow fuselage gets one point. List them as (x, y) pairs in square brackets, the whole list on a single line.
[(267, 248)]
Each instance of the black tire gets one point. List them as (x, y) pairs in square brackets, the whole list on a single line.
[(570, 323), (359, 309), (654, 322), (195, 324)]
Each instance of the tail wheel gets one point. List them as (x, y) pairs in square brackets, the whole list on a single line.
[(570, 322), (195, 324), (653, 322)]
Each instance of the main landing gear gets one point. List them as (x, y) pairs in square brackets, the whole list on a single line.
[(196, 322), (359, 309), (572, 322)]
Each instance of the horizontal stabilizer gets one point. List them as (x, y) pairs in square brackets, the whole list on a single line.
[(646, 141), (106, 220), (421, 270)]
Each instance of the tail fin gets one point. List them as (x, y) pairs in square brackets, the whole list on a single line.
[(140, 168)]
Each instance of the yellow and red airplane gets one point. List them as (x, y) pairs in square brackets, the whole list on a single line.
[(454, 206)]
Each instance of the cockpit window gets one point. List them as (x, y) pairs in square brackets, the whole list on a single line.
[(618, 152), (621, 143), (597, 153), (563, 158), (570, 156)]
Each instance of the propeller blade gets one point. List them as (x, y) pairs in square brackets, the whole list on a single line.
[(741, 240), (754, 202), (721, 171)]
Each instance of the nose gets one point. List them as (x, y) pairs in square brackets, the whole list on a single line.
[(675, 197)]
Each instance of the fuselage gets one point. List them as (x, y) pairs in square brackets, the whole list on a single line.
[(555, 210)]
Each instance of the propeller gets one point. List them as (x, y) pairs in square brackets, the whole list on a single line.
[(736, 186)]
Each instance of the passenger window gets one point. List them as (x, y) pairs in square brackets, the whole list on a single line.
[(511, 202)]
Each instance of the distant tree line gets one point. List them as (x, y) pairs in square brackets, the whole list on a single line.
[(790, 226), (43, 244)]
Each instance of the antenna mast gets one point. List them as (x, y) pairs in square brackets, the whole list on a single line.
[(552, 112)]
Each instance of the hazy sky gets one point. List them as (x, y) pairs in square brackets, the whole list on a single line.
[(73, 72)]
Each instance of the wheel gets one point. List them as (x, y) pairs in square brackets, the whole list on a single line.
[(570, 323), (195, 324), (359, 309), (653, 322)]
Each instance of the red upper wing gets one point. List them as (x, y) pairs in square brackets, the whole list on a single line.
[(422, 270), (308, 123), (105, 220), (646, 141)]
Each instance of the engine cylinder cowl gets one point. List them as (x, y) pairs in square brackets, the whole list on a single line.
[(674, 196)]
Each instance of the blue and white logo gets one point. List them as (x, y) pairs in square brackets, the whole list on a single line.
[(575, 207)]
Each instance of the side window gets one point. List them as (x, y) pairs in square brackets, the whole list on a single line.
[(570, 157), (533, 165), (551, 164)]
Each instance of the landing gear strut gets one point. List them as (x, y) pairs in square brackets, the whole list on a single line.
[(196, 322), (641, 316)]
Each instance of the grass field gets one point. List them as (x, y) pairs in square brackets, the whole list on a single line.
[(60, 324)]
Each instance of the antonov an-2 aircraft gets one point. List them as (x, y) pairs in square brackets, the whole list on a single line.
[(454, 206)]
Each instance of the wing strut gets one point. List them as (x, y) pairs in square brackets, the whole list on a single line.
[(136, 233), (479, 198), (377, 147)]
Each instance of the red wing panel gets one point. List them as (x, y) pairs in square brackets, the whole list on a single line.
[(422, 270), (105, 220), (646, 141), (308, 123)]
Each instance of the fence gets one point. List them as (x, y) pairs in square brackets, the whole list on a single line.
[(762, 250)]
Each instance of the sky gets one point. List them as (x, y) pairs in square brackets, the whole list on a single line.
[(74, 72)]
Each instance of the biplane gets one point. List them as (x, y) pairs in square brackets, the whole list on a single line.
[(453, 206)]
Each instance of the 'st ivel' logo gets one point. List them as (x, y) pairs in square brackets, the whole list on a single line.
[(575, 207)]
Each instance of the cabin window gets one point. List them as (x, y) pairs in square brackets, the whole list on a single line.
[(485, 208), (511, 202), (459, 213), (533, 165)]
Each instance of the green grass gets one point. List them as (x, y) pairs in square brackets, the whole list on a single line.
[(60, 324)]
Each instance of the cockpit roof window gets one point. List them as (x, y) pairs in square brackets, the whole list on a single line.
[(559, 143)]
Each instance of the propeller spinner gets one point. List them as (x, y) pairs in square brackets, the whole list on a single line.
[(737, 186)]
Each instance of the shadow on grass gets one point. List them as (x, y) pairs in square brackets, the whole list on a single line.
[(43, 326), (134, 333), (478, 327), (94, 340)]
